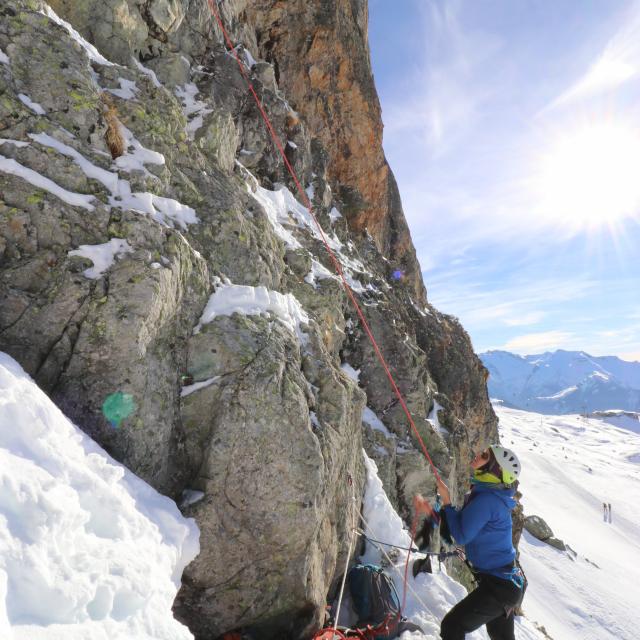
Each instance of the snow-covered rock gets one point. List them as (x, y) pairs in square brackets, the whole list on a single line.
[(87, 549), (623, 419)]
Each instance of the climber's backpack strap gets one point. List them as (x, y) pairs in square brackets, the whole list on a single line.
[(376, 602)]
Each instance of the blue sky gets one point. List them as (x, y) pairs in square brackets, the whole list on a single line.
[(513, 129)]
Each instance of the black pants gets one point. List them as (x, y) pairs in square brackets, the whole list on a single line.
[(487, 604)]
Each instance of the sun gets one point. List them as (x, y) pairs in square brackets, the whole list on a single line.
[(590, 177)]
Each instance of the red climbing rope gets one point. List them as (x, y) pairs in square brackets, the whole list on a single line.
[(307, 203)]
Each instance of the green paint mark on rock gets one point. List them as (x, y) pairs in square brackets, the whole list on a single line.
[(117, 407)]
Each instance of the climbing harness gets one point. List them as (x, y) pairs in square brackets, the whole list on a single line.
[(517, 576), (512, 572)]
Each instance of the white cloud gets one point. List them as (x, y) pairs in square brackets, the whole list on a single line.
[(457, 183), (623, 342), (481, 305), (606, 74), (536, 342), (494, 189), (446, 90), (616, 65), (631, 356), (626, 349), (533, 317)]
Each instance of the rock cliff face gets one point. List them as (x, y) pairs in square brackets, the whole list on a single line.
[(153, 257), (320, 55)]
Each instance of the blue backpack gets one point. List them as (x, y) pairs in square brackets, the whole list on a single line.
[(375, 600)]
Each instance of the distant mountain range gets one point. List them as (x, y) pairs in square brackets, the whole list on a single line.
[(563, 381)]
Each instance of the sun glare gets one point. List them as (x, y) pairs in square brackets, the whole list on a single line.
[(591, 177)]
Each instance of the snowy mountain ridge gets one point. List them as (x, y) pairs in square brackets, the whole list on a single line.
[(563, 381)]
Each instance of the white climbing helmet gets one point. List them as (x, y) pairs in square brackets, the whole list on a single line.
[(508, 462)]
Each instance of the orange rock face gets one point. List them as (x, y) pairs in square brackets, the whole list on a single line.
[(321, 55)]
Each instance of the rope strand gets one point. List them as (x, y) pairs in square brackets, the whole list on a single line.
[(336, 263), (393, 566), (346, 568), (414, 526)]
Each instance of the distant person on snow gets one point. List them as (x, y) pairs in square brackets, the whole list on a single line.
[(609, 505), (604, 507), (483, 525)]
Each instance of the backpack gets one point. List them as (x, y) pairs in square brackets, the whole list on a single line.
[(375, 600)]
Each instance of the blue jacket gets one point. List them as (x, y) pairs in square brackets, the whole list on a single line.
[(483, 526)]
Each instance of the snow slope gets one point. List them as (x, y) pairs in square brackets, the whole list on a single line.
[(570, 466), (563, 381), (87, 550), (623, 419), (429, 596)]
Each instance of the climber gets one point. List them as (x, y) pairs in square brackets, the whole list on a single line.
[(483, 525), (604, 506)]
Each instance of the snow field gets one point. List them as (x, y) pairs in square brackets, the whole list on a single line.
[(570, 466), (87, 549)]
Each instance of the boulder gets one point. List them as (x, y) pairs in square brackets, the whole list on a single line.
[(538, 528)]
